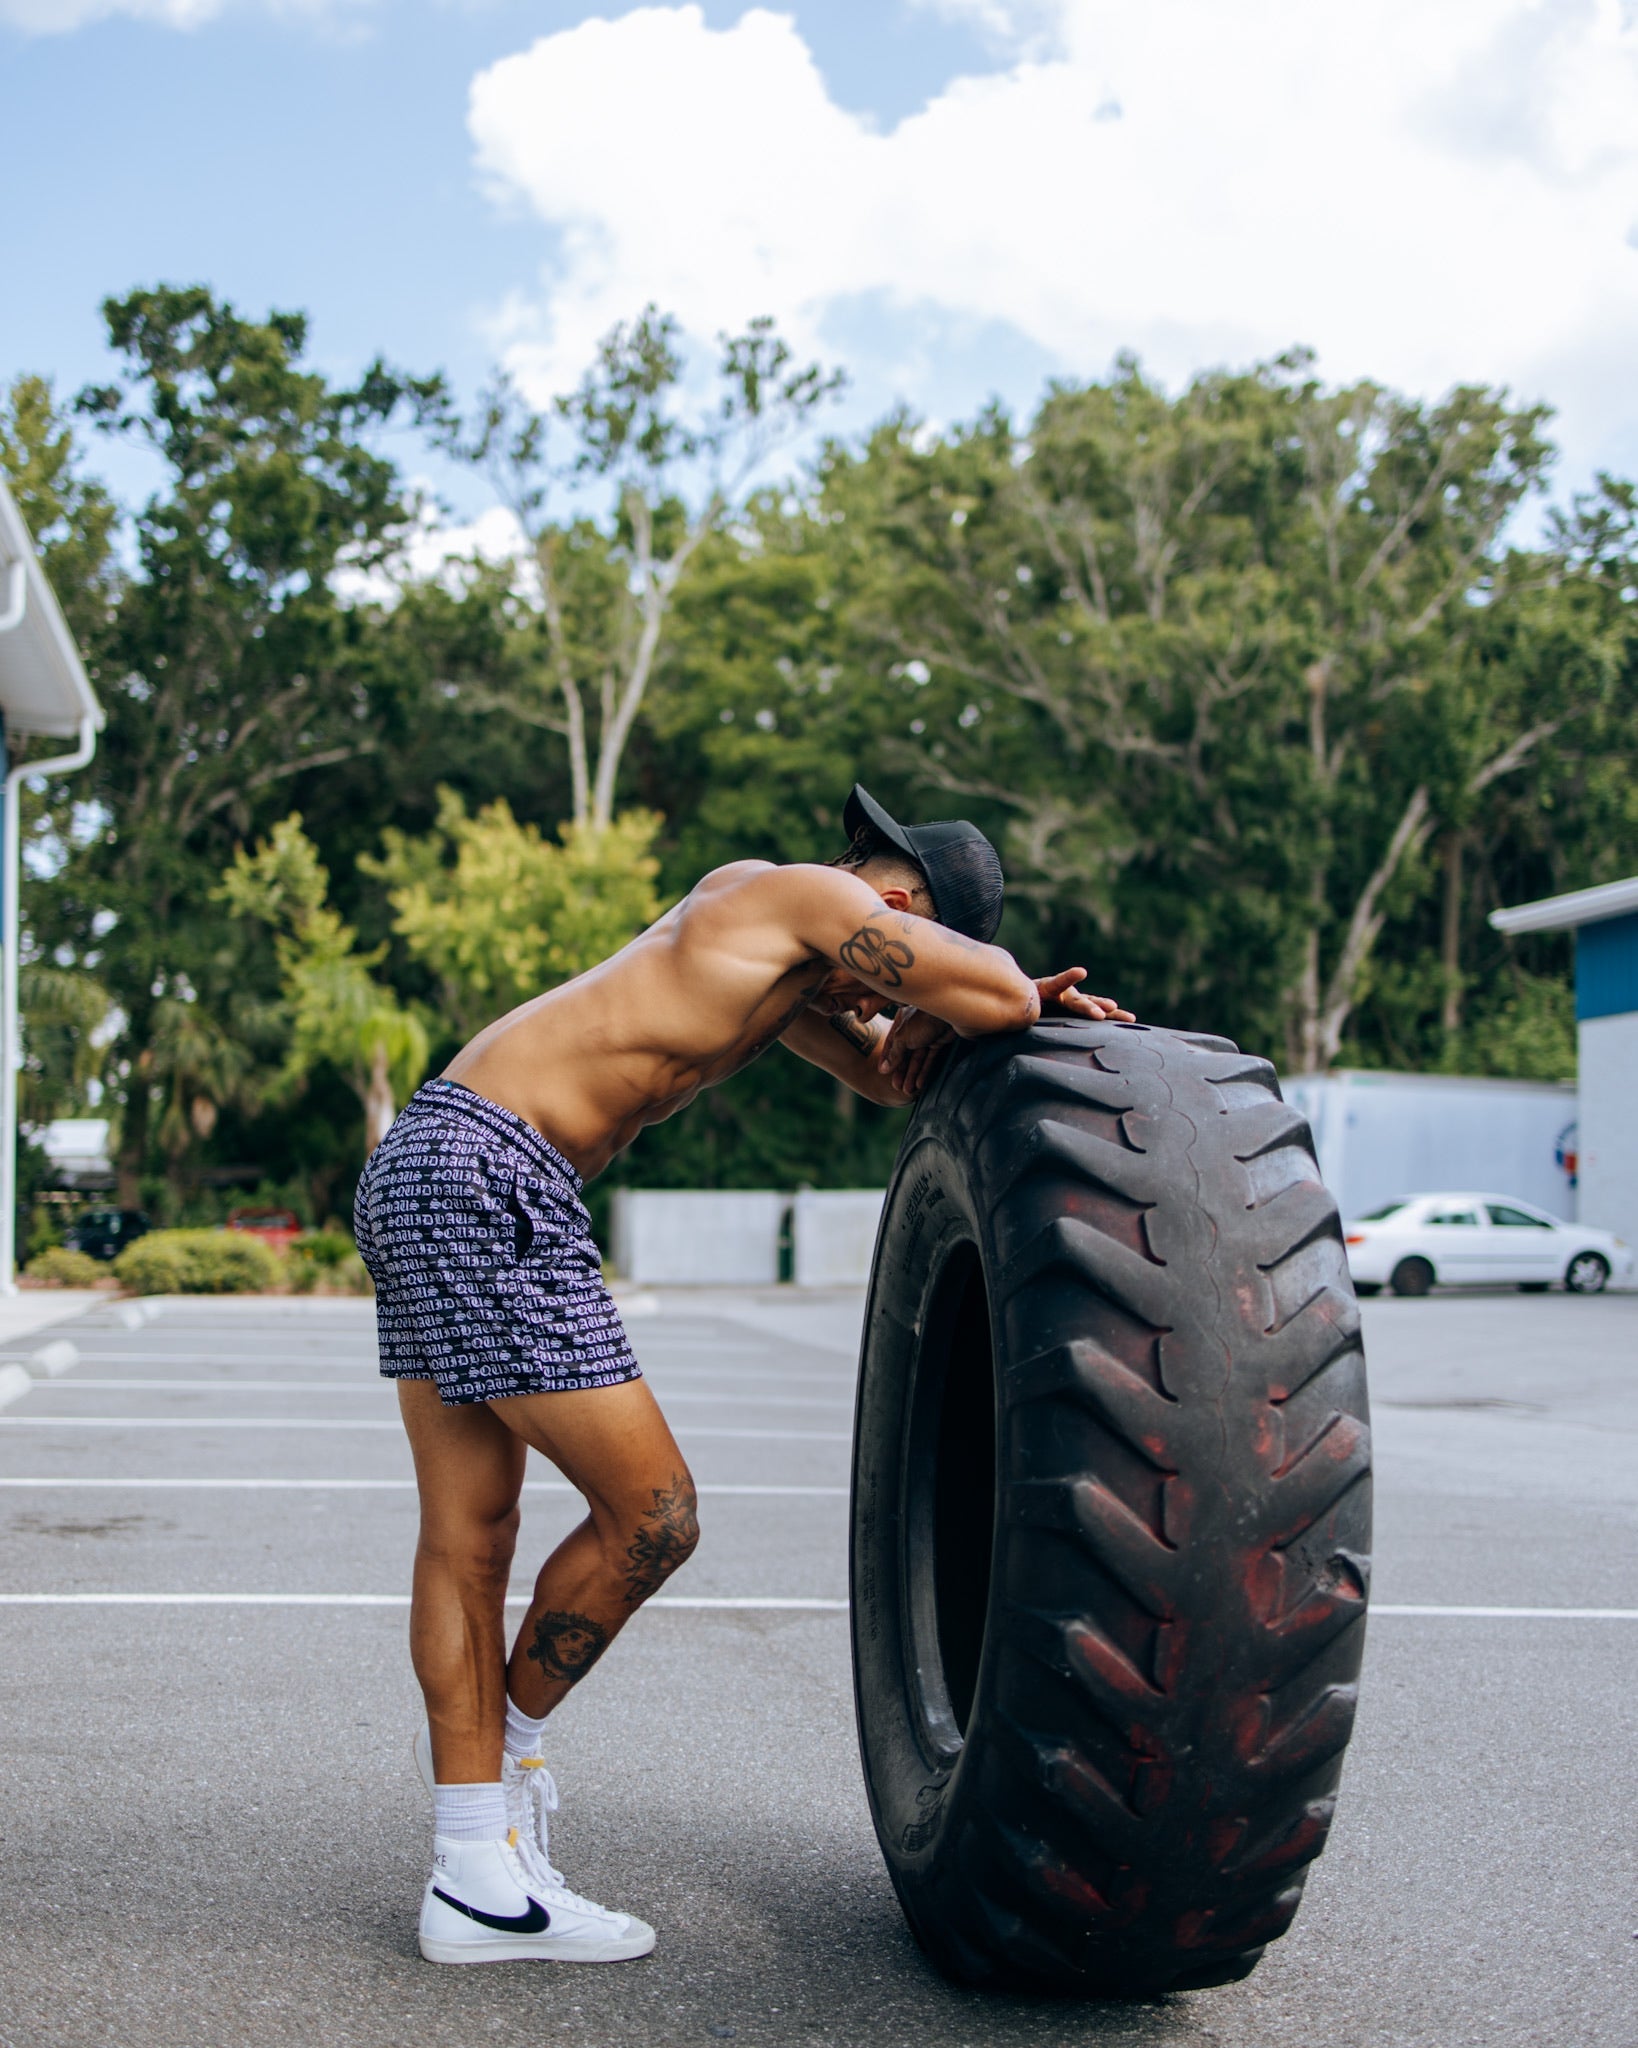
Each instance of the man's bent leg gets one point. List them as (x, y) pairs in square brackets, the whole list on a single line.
[(469, 1470), (614, 1446)]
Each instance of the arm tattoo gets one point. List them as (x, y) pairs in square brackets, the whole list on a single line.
[(566, 1646), (859, 1035), (873, 956), (666, 1539)]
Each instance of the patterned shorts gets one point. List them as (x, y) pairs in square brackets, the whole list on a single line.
[(487, 1277)]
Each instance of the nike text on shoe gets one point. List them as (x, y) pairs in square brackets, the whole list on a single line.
[(483, 1904)]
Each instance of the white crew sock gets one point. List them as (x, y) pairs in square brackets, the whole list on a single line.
[(470, 1813), (522, 1734)]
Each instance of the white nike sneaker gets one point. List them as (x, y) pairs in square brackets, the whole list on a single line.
[(531, 1795), (482, 1905)]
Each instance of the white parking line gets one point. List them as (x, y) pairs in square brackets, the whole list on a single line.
[(1513, 1613), (202, 1422), (364, 1365), (50, 1485), (375, 1386), (364, 1384), (360, 1360), (794, 1436), (750, 1603)]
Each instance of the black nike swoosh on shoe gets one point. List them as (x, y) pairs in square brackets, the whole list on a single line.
[(535, 1921)]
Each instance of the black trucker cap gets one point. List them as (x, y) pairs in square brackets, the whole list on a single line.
[(963, 869)]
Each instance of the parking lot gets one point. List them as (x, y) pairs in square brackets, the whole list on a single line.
[(212, 1833)]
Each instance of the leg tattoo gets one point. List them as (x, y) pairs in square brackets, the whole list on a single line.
[(669, 1532), (566, 1646)]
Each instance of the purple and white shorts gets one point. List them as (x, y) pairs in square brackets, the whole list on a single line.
[(487, 1277)]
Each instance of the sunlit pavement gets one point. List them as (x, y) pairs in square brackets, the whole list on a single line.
[(212, 1833)]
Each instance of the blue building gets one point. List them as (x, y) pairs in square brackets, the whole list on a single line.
[(1605, 923)]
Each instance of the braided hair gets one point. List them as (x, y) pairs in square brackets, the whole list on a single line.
[(867, 845)]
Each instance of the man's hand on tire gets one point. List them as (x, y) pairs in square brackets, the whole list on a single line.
[(1058, 992), (912, 1048), (917, 1040)]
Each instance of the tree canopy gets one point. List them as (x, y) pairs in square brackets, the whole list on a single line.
[(1258, 685)]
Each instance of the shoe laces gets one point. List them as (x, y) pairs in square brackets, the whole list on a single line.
[(531, 1795)]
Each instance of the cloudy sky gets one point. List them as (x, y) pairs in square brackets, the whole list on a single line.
[(953, 197)]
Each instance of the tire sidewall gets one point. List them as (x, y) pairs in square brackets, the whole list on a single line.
[(916, 1762)]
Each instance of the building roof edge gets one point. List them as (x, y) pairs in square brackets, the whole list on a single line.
[(1563, 913)]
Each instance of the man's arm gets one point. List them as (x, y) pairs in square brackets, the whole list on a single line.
[(974, 988), (848, 1048), (914, 1042)]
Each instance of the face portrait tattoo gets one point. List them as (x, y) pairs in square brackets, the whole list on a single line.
[(566, 1646)]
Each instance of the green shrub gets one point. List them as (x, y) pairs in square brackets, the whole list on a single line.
[(198, 1262), (63, 1268), (352, 1276), (328, 1274), (44, 1230), (322, 1247)]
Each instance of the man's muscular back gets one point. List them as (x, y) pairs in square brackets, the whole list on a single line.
[(753, 953)]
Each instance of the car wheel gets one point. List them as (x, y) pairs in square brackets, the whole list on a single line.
[(1534, 1286), (1587, 1273), (1412, 1276), (1110, 1513)]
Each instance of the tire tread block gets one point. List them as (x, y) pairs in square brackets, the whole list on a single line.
[(1133, 1283)]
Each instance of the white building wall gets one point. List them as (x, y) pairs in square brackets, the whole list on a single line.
[(1609, 1123), (834, 1232), (698, 1237)]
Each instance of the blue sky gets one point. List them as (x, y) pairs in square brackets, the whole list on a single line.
[(953, 197), (325, 164)]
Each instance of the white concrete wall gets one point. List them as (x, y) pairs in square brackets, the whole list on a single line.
[(1609, 1124), (835, 1235), (689, 1237)]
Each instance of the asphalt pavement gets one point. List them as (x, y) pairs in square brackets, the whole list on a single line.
[(211, 1833)]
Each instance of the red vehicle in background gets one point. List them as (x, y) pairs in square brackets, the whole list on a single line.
[(277, 1227)]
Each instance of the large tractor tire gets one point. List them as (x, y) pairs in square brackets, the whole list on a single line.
[(1111, 1513)]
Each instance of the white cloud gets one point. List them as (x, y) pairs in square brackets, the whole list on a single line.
[(445, 552), (58, 17), (1425, 194), (1020, 23)]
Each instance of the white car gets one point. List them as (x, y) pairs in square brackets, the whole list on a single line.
[(1451, 1240)]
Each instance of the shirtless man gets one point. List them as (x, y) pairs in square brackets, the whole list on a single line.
[(495, 1321)]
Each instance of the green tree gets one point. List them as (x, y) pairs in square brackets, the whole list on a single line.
[(333, 1010), (65, 1020), (199, 1066), (497, 912), (1207, 661), (70, 516), (606, 585), (238, 671)]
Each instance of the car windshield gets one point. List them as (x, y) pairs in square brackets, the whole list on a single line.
[(1381, 1215)]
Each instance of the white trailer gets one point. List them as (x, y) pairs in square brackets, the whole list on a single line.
[(1378, 1136)]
